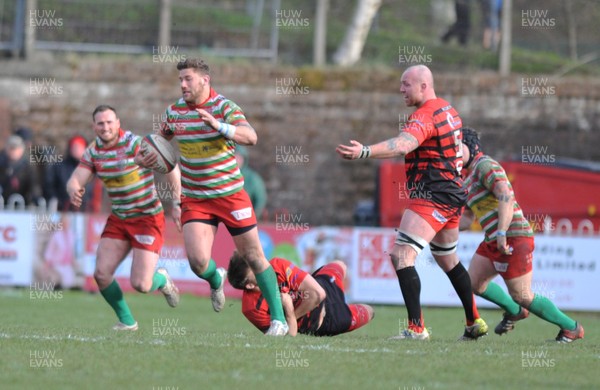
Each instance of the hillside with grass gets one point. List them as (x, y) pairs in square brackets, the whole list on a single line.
[(566, 45)]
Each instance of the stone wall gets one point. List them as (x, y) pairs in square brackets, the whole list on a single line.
[(301, 115)]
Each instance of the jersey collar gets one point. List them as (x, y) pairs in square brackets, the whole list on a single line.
[(100, 143), (211, 95)]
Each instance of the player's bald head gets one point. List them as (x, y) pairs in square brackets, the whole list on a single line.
[(417, 85), (420, 74)]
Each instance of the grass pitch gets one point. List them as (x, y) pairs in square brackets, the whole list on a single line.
[(63, 340)]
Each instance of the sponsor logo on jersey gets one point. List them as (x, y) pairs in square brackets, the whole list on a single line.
[(484, 206), (123, 180), (203, 149)]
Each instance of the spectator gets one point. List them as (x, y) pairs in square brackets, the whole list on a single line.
[(35, 154), (26, 135), (492, 11), (253, 182), (16, 173), (57, 175), (462, 26)]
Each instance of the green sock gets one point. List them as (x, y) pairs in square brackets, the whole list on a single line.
[(494, 293), (267, 282), (114, 296), (158, 281), (545, 309), (211, 275)]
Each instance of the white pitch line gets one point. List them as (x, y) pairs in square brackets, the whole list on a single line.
[(325, 347), (75, 338), (52, 338)]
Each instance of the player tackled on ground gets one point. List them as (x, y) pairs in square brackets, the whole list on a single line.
[(207, 127), (507, 248), (136, 221), (313, 304), (430, 145)]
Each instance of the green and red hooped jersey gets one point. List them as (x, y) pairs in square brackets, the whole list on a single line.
[(485, 175), (129, 186), (208, 165)]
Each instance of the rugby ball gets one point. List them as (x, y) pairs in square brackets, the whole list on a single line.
[(164, 151)]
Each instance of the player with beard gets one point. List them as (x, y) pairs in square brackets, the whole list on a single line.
[(431, 146), (207, 127), (136, 221)]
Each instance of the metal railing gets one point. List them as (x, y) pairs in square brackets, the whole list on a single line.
[(236, 28)]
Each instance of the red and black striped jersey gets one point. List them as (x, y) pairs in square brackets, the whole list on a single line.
[(289, 278), (433, 169), (256, 309)]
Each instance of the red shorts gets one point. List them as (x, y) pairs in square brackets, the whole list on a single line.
[(510, 266), (339, 316), (144, 232), (333, 270), (235, 211), (437, 216)]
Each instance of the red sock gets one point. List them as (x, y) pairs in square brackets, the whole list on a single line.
[(475, 312), (360, 316), (418, 326)]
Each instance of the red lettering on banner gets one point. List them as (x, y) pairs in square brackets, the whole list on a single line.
[(373, 255), (8, 254), (8, 233)]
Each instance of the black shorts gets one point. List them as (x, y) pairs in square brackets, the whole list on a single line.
[(338, 317)]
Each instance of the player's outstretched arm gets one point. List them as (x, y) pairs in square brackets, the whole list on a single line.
[(76, 185), (394, 147), (398, 146), (311, 293), (290, 316)]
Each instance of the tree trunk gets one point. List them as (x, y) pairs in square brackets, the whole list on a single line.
[(571, 29), (350, 50), (506, 38), (320, 39)]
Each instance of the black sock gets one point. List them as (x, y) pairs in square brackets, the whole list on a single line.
[(459, 277), (410, 285)]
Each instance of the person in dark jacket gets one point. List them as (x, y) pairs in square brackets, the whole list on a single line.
[(462, 27), (57, 175), (17, 175)]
